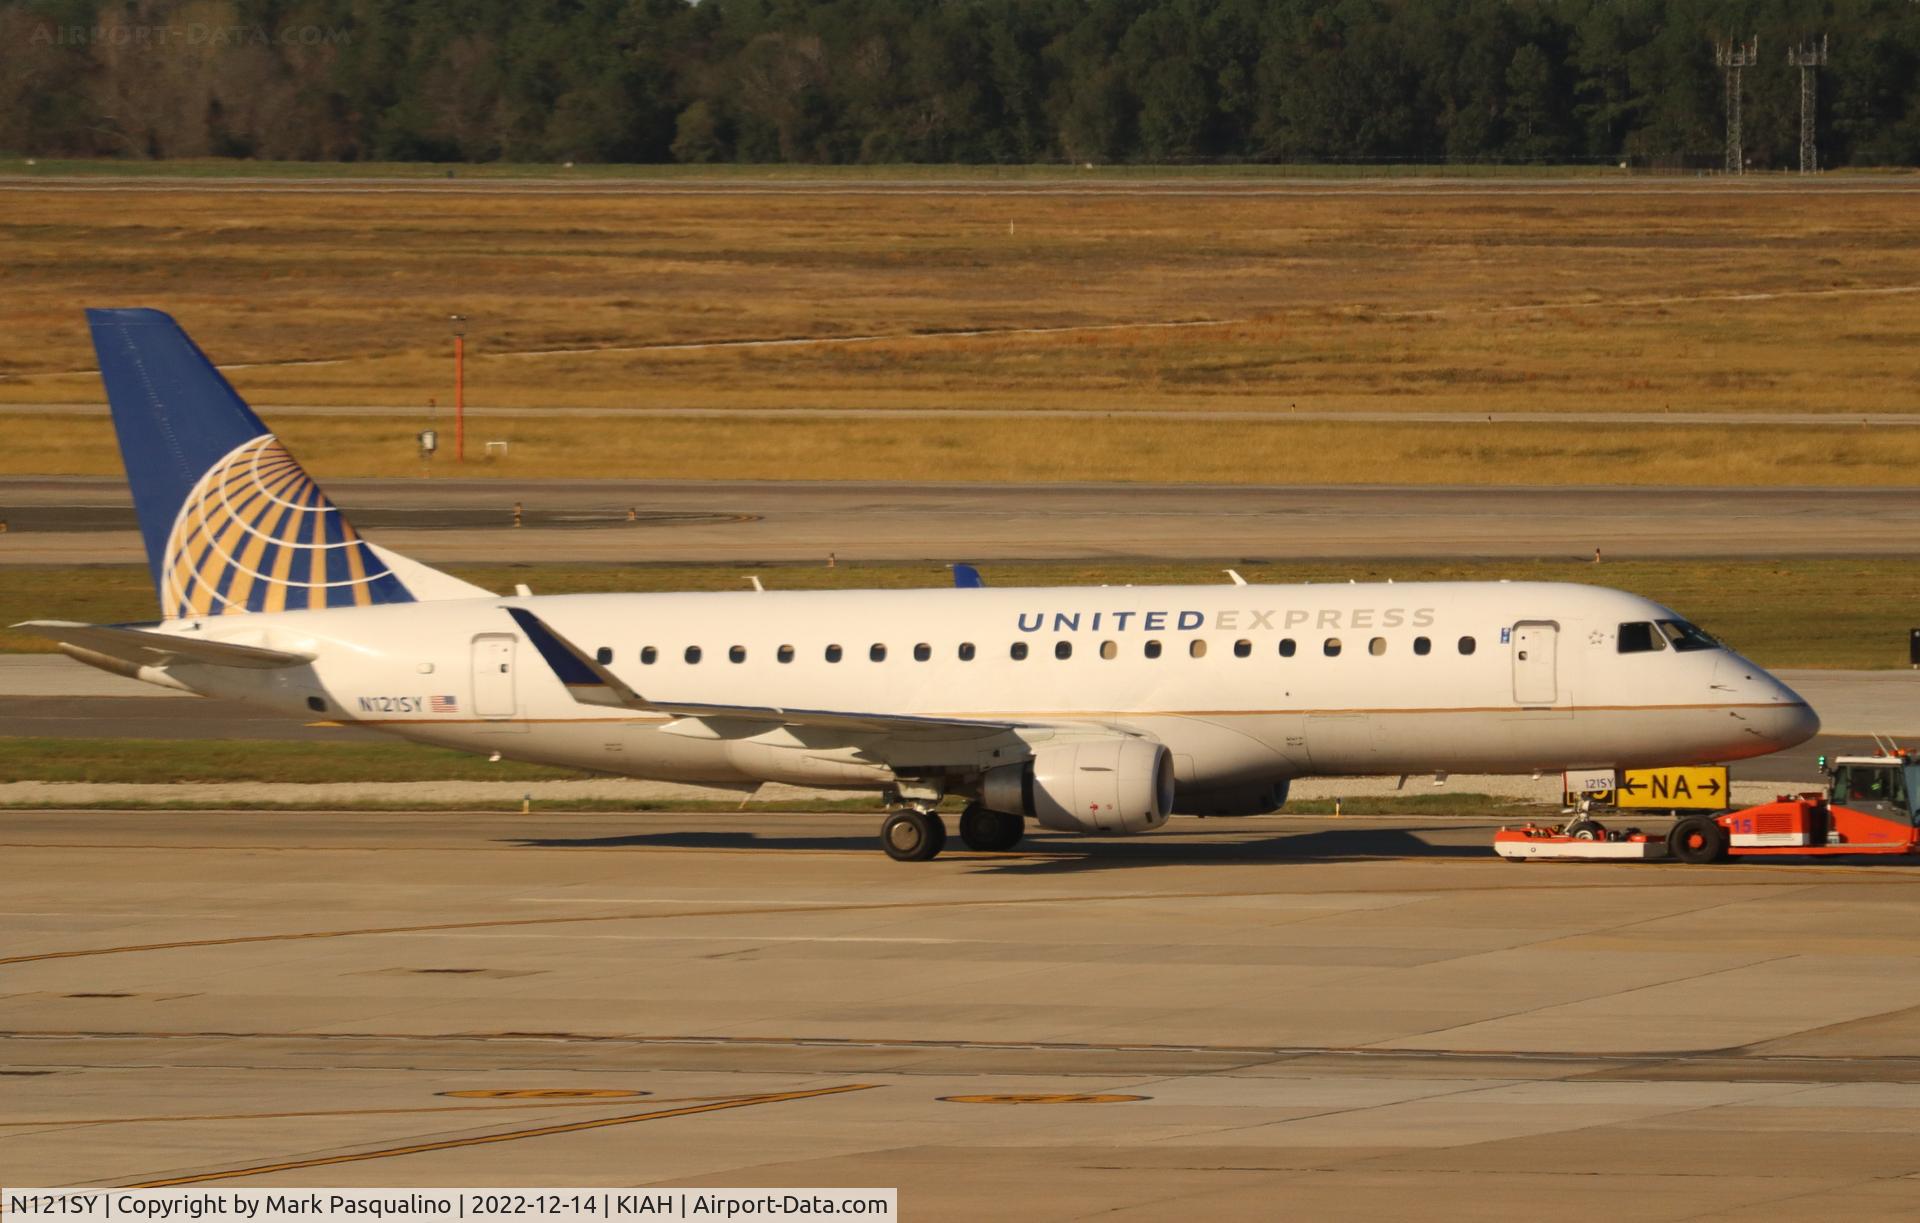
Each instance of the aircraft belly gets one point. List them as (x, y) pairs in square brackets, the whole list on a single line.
[(1215, 752), (1516, 741)]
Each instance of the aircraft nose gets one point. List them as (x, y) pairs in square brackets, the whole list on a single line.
[(1782, 715), (1791, 722)]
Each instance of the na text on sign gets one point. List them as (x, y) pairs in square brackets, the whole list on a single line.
[(1691, 788)]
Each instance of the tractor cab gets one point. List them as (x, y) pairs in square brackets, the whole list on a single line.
[(1885, 787)]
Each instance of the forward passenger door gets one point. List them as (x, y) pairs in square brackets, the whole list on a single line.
[(1536, 678)]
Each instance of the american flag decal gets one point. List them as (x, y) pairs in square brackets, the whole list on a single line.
[(443, 704)]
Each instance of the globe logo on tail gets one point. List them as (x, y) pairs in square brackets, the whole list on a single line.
[(256, 534)]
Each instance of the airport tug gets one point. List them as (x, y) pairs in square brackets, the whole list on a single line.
[(1869, 807)]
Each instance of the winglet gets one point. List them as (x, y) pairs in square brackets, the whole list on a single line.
[(584, 676), (966, 577)]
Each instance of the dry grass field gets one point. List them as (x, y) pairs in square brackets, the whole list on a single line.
[(999, 449), (1402, 299)]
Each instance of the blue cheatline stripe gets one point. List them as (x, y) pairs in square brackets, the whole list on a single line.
[(572, 670)]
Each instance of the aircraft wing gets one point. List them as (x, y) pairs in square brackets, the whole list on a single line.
[(145, 648), (592, 684)]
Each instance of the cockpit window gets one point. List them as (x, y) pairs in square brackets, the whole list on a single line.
[(1686, 636), (1640, 638)]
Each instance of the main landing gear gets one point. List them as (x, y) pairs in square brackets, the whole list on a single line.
[(990, 831), (913, 835)]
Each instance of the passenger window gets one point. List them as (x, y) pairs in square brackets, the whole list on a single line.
[(1332, 647), (737, 654), (1153, 649), (1286, 647), (784, 653), (1243, 648), (693, 653), (1019, 650), (877, 652), (1640, 638), (1422, 646), (1197, 648), (1109, 650), (604, 654), (648, 655), (1377, 646), (922, 652), (966, 651), (1063, 649), (833, 653), (1466, 645)]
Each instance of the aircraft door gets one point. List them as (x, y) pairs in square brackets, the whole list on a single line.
[(1536, 679), (493, 690)]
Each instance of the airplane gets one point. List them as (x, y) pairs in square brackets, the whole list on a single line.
[(1098, 710)]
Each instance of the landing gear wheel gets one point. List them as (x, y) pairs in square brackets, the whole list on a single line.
[(912, 836), (1696, 840), (987, 831), (1586, 829)]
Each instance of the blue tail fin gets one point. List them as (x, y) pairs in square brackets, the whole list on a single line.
[(231, 522)]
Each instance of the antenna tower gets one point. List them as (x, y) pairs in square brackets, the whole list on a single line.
[(1731, 57), (1809, 58)]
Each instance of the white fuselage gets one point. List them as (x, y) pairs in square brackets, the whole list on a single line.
[(1544, 687)]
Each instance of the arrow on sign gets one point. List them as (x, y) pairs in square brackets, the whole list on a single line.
[(1711, 786), (1632, 787)]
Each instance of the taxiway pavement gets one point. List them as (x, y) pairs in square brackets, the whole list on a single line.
[(1287, 1017)]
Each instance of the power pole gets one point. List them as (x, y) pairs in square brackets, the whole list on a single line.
[(1809, 58), (1731, 58)]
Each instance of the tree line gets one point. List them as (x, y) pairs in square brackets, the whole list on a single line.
[(987, 81)]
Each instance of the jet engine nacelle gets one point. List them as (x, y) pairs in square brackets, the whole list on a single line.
[(1107, 785)]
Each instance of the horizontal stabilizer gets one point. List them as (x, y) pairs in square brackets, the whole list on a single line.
[(146, 648), (592, 684)]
